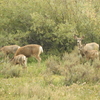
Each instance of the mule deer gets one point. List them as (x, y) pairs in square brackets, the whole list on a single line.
[(30, 50), (11, 49), (89, 54), (20, 59), (88, 46)]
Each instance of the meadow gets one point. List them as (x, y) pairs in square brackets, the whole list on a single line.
[(51, 24), (55, 78)]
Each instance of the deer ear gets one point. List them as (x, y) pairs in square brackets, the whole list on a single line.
[(75, 37), (82, 37)]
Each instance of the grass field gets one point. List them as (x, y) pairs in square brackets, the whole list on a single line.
[(56, 78)]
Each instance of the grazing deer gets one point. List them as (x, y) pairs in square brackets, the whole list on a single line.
[(20, 59), (11, 49), (30, 50)]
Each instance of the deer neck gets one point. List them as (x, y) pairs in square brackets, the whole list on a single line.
[(79, 45)]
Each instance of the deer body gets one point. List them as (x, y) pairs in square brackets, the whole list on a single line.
[(91, 46), (88, 46), (89, 54), (89, 50), (11, 49), (92, 54), (30, 50), (20, 59)]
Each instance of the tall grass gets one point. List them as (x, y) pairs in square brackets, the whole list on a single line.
[(56, 78)]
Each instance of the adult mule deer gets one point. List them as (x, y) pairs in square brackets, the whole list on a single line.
[(89, 54), (86, 47), (30, 50), (11, 49)]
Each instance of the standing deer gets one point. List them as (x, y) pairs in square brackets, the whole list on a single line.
[(86, 47), (11, 49), (30, 50), (89, 54)]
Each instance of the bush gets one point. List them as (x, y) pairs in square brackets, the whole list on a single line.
[(51, 24), (82, 73), (53, 65), (11, 71)]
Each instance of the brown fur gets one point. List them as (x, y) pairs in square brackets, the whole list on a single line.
[(30, 50), (89, 54), (86, 47), (89, 50), (92, 46), (20, 59), (9, 49), (92, 54)]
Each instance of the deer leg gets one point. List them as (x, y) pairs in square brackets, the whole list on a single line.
[(24, 63), (37, 58), (5, 57), (91, 61)]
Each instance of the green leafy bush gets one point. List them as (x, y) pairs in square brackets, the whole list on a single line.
[(51, 24)]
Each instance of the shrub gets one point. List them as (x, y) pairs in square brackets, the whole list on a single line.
[(53, 65), (82, 73), (11, 71)]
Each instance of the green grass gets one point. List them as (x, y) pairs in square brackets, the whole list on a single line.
[(54, 79), (32, 89)]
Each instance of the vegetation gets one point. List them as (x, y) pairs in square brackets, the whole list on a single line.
[(52, 24), (54, 79)]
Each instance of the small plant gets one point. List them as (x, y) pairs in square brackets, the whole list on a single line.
[(75, 74), (11, 71), (53, 64)]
